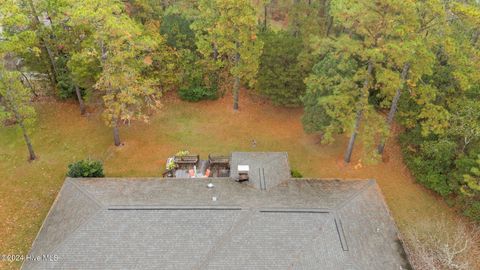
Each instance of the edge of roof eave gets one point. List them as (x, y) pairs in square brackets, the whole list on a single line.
[(49, 213), (404, 256)]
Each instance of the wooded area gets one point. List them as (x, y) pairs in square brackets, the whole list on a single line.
[(356, 67)]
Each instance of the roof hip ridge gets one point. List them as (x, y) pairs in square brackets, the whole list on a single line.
[(86, 193), (369, 183)]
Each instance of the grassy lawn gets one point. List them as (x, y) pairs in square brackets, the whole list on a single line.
[(61, 136)]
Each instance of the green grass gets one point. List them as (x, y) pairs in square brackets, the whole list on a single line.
[(61, 136)]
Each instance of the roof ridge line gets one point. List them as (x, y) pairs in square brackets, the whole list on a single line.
[(246, 215), (74, 231), (294, 210), (56, 247), (368, 184), (100, 208), (86, 193)]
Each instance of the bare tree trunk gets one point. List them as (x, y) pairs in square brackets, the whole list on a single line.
[(475, 36), (393, 108), (358, 119), (324, 12), (80, 100), (30, 85), (116, 133), (236, 89), (353, 137), (265, 14), (236, 85), (45, 47), (296, 24), (31, 153), (215, 51)]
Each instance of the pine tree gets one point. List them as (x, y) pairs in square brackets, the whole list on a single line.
[(369, 27), (124, 50), (226, 32), (412, 52)]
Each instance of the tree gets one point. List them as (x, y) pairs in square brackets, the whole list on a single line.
[(265, 4), (472, 180), (65, 39), (378, 36), (465, 121), (440, 243), (470, 188), (38, 27), (368, 27), (280, 76), (176, 29), (15, 104), (180, 39), (360, 112), (226, 31), (412, 52), (124, 50), (441, 111), (18, 42), (40, 40), (175, 64), (330, 97), (145, 10), (309, 18)]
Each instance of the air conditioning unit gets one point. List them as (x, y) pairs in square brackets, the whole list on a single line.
[(243, 171)]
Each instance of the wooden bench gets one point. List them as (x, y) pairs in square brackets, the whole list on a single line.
[(186, 160), (221, 161)]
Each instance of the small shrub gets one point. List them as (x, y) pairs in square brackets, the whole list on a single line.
[(431, 161), (295, 174), (472, 210), (86, 168), (197, 93), (171, 164), (182, 153)]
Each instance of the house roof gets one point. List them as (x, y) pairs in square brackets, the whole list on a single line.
[(265, 167), (165, 223)]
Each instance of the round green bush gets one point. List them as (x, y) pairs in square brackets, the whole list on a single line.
[(295, 174), (197, 93), (86, 168)]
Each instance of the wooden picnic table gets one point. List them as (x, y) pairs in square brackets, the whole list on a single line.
[(190, 159)]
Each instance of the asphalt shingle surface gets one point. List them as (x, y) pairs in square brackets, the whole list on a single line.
[(159, 223), (273, 166)]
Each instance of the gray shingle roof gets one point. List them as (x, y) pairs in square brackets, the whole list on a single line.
[(271, 166), (174, 224)]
